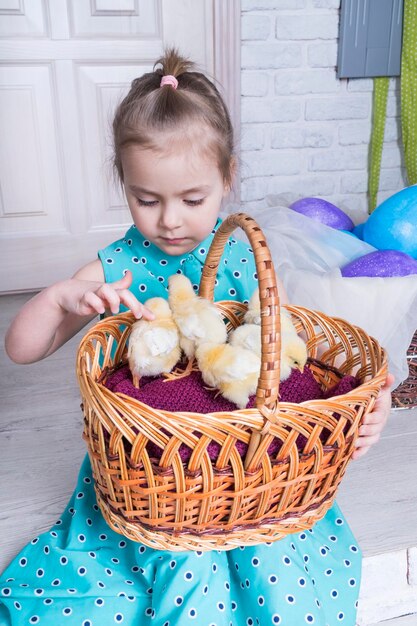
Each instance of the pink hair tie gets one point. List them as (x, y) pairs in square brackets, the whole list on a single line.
[(169, 80)]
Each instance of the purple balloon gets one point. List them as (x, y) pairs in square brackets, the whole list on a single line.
[(324, 212), (382, 263)]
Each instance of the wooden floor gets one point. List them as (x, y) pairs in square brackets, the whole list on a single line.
[(41, 451)]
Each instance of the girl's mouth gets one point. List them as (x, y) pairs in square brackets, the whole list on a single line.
[(173, 242)]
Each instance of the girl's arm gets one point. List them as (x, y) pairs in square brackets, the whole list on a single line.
[(57, 313)]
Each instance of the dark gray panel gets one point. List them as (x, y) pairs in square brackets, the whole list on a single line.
[(376, 62), (394, 60), (378, 24), (370, 38)]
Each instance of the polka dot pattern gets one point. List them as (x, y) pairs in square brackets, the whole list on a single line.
[(380, 98), (83, 573), (151, 267), (409, 91), (264, 584)]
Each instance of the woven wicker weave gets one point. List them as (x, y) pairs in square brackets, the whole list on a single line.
[(203, 505), (405, 395)]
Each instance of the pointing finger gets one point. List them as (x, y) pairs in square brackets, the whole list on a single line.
[(137, 308), (147, 313)]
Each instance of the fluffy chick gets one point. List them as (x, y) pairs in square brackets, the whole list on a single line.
[(232, 369), (248, 334), (154, 346), (287, 325), (293, 354), (253, 314), (197, 319), (293, 348)]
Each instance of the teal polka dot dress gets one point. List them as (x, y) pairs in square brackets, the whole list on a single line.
[(82, 573), (151, 267)]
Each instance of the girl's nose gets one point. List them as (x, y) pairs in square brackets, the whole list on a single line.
[(170, 217)]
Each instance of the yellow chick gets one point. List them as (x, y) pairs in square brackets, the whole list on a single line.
[(154, 345), (293, 354), (286, 322), (248, 334), (232, 369), (197, 319), (293, 348), (253, 314)]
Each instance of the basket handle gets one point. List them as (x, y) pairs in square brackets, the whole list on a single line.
[(268, 383)]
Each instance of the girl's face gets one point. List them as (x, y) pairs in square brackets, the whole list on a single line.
[(174, 194)]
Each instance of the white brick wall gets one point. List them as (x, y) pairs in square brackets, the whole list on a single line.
[(303, 130)]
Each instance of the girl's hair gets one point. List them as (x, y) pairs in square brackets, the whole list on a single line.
[(149, 109)]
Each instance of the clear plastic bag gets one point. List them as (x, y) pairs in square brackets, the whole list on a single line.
[(307, 256)]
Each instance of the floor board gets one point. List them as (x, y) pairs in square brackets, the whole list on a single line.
[(40, 439), (379, 492), (404, 620)]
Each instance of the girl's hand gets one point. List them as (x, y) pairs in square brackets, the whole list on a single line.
[(85, 297), (53, 316), (374, 423)]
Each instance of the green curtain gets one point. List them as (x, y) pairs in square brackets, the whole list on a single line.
[(377, 138), (409, 89), (408, 108)]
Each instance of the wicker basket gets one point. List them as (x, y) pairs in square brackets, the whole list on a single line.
[(205, 505)]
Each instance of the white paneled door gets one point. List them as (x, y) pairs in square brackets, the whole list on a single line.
[(65, 64)]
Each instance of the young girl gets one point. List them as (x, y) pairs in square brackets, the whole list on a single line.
[(174, 154)]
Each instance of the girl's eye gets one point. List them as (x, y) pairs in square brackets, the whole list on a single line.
[(146, 202), (194, 202)]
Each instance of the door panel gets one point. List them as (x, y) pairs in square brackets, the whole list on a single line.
[(65, 66), (31, 182)]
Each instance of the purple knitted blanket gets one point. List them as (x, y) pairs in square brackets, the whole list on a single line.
[(189, 394)]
